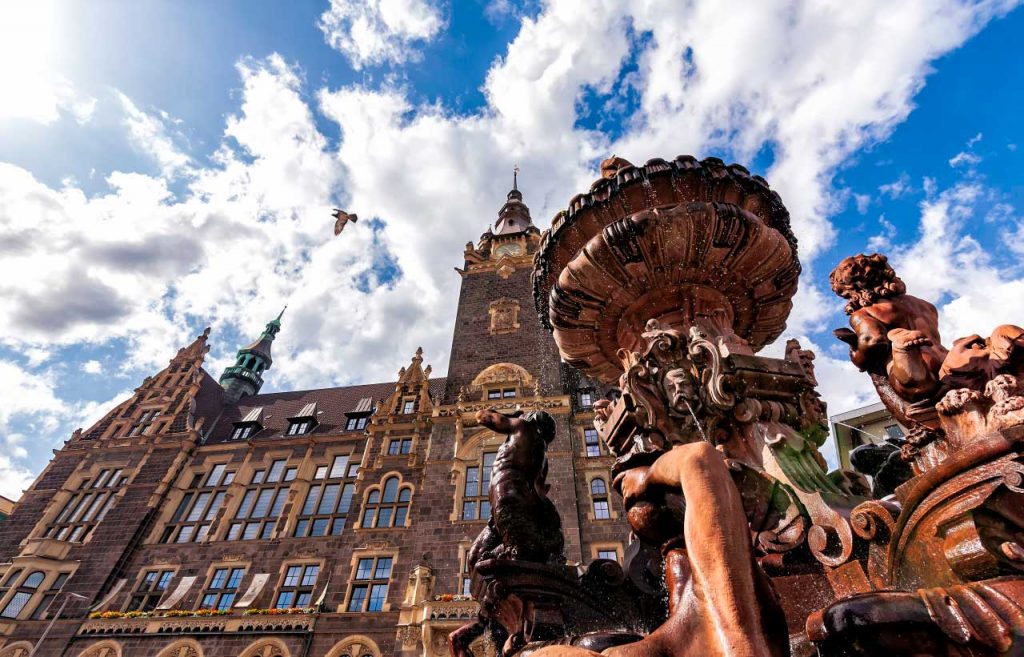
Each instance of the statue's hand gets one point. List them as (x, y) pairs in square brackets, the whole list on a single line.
[(495, 421), (907, 339)]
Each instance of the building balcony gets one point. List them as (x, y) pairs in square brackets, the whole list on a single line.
[(441, 610), (240, 623)]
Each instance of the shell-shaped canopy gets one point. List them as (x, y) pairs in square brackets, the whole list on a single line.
[(669, 241)]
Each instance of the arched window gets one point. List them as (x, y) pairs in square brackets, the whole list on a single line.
[(23, 594), (599, 495), (387, 505)]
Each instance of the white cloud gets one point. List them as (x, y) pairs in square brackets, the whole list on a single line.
[(948, 267), (36, 356), (964, 158), (26, 394), (92, 367), (13, 478), (863, 202), (150, 135), (1015, 238), (882, 241), (897, 188), (967, 157), (371, 32)]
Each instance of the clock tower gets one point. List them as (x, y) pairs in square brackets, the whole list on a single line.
[(496, 322)]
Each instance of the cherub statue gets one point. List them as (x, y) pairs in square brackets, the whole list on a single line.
[(894, 336)]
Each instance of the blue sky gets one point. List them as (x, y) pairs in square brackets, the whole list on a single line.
[(168, 166)]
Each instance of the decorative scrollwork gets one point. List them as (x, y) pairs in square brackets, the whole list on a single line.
[(708, 357), (874, 520)]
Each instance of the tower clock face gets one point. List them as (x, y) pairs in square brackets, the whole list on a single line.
[(509, 250)]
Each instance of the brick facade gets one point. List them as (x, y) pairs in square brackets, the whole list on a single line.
[(205, 486)]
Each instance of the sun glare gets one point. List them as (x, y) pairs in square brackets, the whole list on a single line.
[(29, 48)]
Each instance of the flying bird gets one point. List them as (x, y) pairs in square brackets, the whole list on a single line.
[(341, 218)]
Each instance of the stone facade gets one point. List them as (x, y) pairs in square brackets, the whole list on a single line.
[(351, 506)]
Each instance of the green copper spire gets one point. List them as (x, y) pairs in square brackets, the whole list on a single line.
[(245, 377)]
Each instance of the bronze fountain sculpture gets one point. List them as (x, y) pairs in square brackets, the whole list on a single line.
[(666, 280)]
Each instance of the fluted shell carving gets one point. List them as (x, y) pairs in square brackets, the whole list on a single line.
[(707, 261)]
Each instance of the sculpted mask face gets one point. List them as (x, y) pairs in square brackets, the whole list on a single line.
[(681, 391)]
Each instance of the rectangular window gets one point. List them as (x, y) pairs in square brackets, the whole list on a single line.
[(508, 392), (299, 427), (608, 554), (586, 399), (465, 577), (87, 507), (592, 442), (16, 604), (222, 588), (408, 406), (327, 503), (894, 431), (143, 425), (370, 584), (258, 513), (198, 508), (400, 446), (150, 589), (243, 431), (476, 505), (356, 423), (494, 394), (297, 587), (601, 510)]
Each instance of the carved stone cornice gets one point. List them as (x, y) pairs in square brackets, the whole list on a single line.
[(467, 410)]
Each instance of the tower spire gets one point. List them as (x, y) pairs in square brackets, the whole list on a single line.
[(245, 377), (514, 216)]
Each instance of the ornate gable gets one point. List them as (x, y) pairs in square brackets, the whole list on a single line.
[(164, 404), (413, 386)]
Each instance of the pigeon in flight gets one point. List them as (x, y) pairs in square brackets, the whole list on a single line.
[(341, 218)]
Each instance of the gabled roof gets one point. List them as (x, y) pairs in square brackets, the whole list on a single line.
[(365, 405), (308, 411), (255, 416), (331, 406)]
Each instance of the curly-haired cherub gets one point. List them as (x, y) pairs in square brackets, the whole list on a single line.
[(894, 335)]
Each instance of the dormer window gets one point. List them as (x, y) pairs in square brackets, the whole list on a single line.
[(408, 406), (304, 421), (248, 425), (356, 423), (586, 399)]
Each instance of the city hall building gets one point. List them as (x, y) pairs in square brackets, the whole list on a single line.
[(200, 518)]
